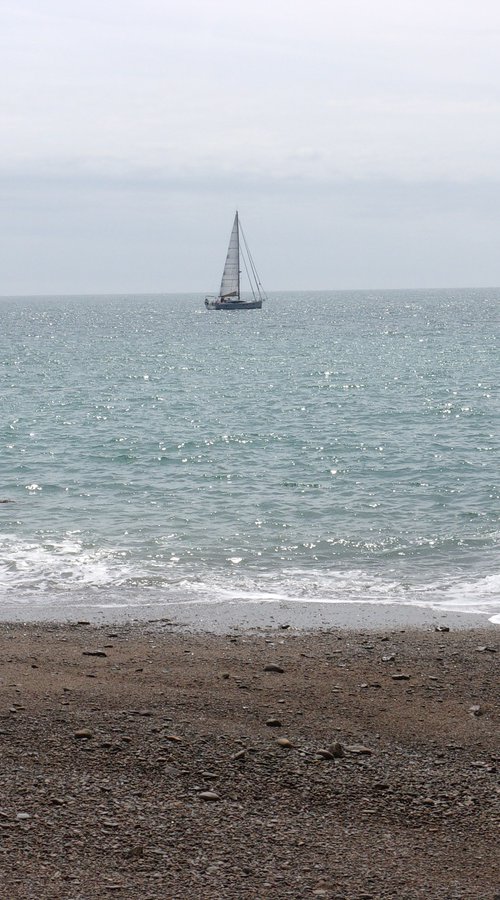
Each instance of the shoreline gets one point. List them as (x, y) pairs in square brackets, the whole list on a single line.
[(227, 616)]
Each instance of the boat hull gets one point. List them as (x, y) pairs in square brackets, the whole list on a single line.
[(233, 304)]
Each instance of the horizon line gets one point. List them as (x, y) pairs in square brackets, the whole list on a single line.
[(197, 293)]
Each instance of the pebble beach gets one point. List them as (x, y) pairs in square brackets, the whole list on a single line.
[(145, 760)]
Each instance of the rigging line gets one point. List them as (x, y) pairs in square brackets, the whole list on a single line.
[(250, 258), (258, 284), (250, 279)]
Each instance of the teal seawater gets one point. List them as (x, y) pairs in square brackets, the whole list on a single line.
[(335, 446)]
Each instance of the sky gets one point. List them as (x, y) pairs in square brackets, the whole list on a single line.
[(359, 140)]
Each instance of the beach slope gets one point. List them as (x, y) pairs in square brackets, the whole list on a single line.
[(146, 762)]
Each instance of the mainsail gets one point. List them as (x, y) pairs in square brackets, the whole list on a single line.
[(230, 284)]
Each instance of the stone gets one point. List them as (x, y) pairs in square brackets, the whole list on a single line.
[(134, 853), (359, 749), (337, 750), (325, 754), (239, 755), (441, 628), (84, 733), (476, 710), (273, 667), (400, 677), (284, 742), (486, 649), (273, 723), (94, 653), (208, 795)]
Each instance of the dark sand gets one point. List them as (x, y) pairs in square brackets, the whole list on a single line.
[(409, 808), (168, 715)]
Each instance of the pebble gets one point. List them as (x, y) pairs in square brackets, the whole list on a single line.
[(325, 754), (239, 755), (84, 733), (476, 710), (134, 852), (358, 748), (337, 750), (486, 649), (284, 742), (273, 667), (400, 677), (208, 795), (273, 723), (94, 653)]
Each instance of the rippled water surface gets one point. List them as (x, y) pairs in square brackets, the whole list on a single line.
[(333, 446)]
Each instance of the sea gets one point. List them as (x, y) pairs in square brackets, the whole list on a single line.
[(333, 447)]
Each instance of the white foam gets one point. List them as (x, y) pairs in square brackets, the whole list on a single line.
[(67, 570)]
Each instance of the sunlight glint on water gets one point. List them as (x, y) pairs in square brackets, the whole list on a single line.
[(331, 447)]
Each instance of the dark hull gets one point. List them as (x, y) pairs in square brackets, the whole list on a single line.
[(233, 304)]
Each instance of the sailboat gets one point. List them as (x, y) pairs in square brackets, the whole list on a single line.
[(229, 296)]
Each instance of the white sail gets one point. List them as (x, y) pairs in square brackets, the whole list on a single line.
[(230, 284)]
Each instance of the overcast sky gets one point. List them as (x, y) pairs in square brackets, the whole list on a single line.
[(360, 140)]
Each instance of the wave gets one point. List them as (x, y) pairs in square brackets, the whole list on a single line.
[(68, 571)]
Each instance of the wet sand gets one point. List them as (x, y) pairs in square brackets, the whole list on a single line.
[(237, 614), (150, 761)]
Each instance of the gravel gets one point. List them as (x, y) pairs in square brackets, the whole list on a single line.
[(161, 776)]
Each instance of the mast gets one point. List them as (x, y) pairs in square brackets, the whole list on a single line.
[(237, 220)]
